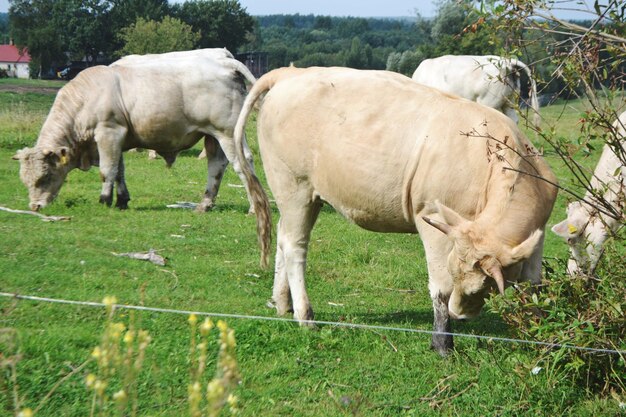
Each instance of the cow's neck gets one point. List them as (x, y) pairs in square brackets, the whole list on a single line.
[(61, 127), (508, 212)]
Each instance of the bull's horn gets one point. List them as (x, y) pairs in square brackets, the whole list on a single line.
[(442, 227), (496, 274)]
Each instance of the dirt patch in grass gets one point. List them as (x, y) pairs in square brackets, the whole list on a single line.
[(28, 89)]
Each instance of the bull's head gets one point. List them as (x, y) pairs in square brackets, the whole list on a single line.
[(582, 229), (478, 262), (43, 172)]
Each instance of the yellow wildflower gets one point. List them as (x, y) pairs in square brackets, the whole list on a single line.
[(90, 380), (206, 327), (120, 396), (108, 301), (27, 412)]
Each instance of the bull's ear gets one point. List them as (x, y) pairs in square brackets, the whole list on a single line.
[(19, 154), (565, 229), (525, 249), (451, 217)]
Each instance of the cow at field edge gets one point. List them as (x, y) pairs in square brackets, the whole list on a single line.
[(586, 228), (165, 103), (392, 155), (490, 80)]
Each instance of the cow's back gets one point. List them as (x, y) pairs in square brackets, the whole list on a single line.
[(474, 77)]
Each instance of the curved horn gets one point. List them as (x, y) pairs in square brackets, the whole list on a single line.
[(442, 227), (496, 274)]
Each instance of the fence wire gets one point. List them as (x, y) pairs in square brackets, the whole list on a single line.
[(316, 322)]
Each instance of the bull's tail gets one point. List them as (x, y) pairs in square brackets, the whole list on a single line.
[(534, 100), (242, 69), (259, 198)]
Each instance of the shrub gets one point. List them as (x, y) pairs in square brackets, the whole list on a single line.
[(574, 310)]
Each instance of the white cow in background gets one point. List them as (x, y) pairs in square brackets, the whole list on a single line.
[(211, 53), (490, 80), (163, 102), (586, 228)]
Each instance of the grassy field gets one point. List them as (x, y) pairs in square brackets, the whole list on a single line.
[(213, 265)]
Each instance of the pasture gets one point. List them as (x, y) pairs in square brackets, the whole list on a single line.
[(353, 276)]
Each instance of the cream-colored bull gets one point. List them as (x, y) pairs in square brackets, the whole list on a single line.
[(394, 156)]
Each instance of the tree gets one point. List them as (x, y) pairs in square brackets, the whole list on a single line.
[(222, 23), (86, 27), (126, 12), (32, 26), (149, 36)]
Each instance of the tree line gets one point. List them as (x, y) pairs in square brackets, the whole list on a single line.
[(101, 30), (98, 31)]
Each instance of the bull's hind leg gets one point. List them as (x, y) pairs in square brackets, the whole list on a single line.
[(294, 231), (123, 196), (216, 165), (228, 147), (281, 296)]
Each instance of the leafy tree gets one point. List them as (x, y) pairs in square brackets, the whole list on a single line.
[(222, 23), (358, 56), (126, 12), (149, 36), (32, 26), (86, 27), (323, 22)]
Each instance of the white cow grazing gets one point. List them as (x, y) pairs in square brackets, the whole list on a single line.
[(490, 80), (586, 228), (166, 103), (392, 155)]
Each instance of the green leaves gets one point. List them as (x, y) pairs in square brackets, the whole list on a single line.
[(151, 37)]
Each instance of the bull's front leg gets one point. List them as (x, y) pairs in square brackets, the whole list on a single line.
[(216, 165), (109, 140), (123, 196), (441, 343)]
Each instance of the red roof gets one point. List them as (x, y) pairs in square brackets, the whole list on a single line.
[(10, 53)]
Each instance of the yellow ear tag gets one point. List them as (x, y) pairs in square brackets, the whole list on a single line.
[(64, 160), (571, 228)]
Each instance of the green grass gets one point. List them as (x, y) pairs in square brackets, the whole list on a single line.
[(352, 276)]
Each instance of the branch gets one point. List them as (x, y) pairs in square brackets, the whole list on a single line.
[(34, 213)]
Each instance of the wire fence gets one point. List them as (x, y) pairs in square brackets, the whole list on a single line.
[(317, 322)]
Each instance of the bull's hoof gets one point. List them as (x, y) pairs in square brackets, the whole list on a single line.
[(305, 319), (442, 344), (281, 308), (251, 211), (108, 200), (204, 207), (122, 205)]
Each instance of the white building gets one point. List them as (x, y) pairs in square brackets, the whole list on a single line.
[(14, 62)]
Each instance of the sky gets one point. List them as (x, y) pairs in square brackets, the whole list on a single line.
[(358, 8)]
